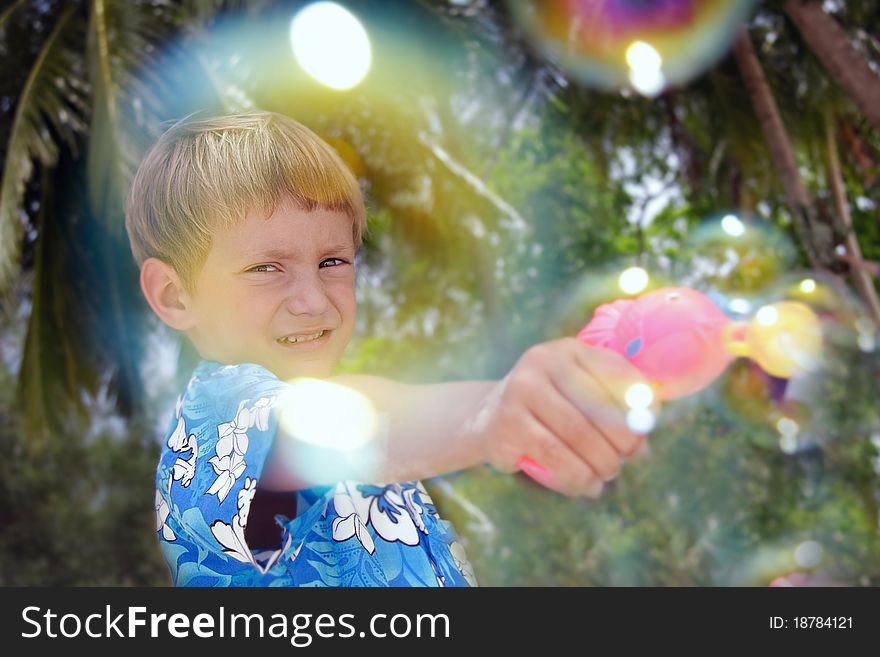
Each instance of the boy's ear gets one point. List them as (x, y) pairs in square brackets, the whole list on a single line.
[(164, 292)]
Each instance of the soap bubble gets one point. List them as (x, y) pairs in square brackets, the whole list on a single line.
[(836, 397), (645, 46)]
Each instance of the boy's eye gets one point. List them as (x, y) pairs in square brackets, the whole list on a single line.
[(259, 268), (334, 262)]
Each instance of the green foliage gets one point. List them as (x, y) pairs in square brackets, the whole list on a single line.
[(79, 511)]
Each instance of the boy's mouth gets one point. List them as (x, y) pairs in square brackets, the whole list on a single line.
[(303, 338)]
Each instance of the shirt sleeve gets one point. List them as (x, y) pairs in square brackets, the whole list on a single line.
[(226, 423)]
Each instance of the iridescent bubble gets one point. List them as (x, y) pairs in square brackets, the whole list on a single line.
[(800, 578), (835, 395), (646, 46), (616, 280), (784, 338), (786, 561), (737, 256)]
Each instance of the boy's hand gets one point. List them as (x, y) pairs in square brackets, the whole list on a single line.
[(563, 406)]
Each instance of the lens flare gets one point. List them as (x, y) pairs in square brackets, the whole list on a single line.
[(335, 431), (327, 414), (331, 45), (614, 44)]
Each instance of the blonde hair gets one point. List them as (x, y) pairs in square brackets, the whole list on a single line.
[(206, 174)]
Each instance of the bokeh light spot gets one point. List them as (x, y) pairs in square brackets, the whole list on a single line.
[(641, 55), (740, 306), (647, 81), (640, 420), (633, 280), (644, 62), (732, 225), (808, 554), (331, 45), (788, 443), (639, 396), (808, 286), (787, 427), (767, 316)]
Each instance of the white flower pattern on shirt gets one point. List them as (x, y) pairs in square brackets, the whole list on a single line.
[(162, 512), (231, 536), (391, 510), (352, 511), (179, 441), (229, 463)]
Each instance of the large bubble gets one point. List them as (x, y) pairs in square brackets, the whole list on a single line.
[(735, 256), (620, 279), (647, 46), (787, 561), (835, 396)]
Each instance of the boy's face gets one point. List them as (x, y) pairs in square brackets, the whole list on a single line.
[(269, 286)]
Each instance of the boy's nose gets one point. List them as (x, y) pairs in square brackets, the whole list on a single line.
[(306, 296)]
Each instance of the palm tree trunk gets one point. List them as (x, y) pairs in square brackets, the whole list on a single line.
[(833, 48), (863, 281), (799, 200)]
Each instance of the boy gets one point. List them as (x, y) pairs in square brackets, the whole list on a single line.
[(245, 228)]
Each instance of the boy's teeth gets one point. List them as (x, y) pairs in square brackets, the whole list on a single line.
[(294, 339)]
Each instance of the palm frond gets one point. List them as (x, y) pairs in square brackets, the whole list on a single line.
[(123, 43), (123, 47), (9, 12), (55, 358), (53, 100)]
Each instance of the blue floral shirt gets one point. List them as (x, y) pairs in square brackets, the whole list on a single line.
[(349, 534)]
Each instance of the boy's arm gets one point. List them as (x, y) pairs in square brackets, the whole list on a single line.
[(562, 404), (426, 433)]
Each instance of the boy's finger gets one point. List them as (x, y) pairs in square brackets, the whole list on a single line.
[(593, 402), (568, 424), (568, 473), (620, 380), (625, 385)]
